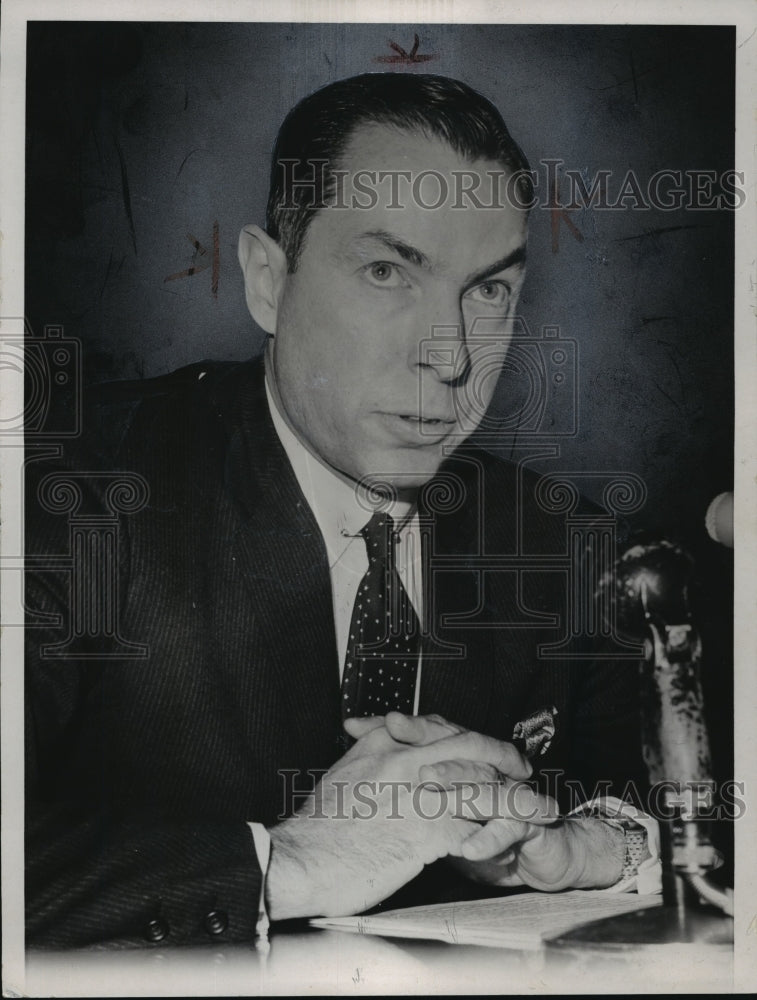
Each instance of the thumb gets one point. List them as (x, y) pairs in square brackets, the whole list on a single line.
[(357, 727), (419, 730)]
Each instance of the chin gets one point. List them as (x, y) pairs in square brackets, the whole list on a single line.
[(403, 471)]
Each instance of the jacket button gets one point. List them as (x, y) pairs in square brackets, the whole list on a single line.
[(156, 930), (216, 922)]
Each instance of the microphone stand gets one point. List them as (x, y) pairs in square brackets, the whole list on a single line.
[(651, 589)]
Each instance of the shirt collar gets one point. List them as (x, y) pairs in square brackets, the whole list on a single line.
[(340, 506)]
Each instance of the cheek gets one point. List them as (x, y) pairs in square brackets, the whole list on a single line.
[(304, 344), (486, 367), (336, 348)]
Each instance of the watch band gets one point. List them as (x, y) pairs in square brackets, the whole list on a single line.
[(634, 836)]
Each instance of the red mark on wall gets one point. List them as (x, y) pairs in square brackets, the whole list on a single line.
[(401, 56), (559, 214), (201, 252)]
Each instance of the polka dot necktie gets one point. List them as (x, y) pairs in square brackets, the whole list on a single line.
[(384, 640)]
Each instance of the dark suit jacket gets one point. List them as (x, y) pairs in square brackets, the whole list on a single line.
[(142, 773)]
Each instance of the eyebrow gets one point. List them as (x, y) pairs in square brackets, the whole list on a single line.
[(516, 258), (413, 255), (405, 250)]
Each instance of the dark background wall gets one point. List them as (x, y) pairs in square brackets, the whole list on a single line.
[(142, 134)]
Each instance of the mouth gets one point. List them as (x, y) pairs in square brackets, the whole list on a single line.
[(416, 430), (439, 422)]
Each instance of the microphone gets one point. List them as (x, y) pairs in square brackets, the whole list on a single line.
[(650, 589), (719, 519), (653, 581), (652, 585)]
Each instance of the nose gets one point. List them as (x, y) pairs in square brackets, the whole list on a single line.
[(442, 349)]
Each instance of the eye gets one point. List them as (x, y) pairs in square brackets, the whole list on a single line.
[(492, 293), (381, 272)]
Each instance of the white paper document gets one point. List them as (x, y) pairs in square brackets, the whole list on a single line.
[(521, 921)]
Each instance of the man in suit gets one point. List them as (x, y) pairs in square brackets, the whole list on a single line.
[(257, 762)]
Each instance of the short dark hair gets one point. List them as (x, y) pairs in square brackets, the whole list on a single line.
[(318, 129)]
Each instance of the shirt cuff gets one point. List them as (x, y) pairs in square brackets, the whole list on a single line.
[(647, 878), (261, 839)]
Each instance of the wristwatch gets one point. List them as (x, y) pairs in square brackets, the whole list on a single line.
[(634, 836)]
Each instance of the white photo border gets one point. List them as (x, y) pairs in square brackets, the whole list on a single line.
[(16, 14)]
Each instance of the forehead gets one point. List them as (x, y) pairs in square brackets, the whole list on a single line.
[(416, 187), (382, 144)]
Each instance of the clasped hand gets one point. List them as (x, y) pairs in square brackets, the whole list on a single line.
[(518, 838), (409, 791)]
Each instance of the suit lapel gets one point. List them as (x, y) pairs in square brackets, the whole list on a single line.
[(283, 561)]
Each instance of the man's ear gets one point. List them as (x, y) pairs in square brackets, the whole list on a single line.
[(264, 266)]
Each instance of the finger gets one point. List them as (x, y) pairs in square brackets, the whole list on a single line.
[(518, 801), (419, 730), (494, 839), (451, 773), (430, 803), (371, 737), (483, 795), (475, 747), (357, 727)]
